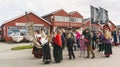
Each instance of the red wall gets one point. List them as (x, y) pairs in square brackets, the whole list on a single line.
[(64, 24), (22, 19), (76, 14)]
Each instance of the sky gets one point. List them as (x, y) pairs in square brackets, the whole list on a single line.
[(12, 8)]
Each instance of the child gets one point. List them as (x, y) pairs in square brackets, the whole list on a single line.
[(83, 47)]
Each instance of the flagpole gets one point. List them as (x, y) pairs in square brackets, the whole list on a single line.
[(31, 31), (90, 25)]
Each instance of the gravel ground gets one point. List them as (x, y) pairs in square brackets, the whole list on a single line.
[(24, 58)]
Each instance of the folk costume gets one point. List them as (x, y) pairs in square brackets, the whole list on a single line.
[(37, 52), (46, 50), (107, 42), (57, 48)]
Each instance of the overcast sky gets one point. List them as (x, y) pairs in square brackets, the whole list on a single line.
[(12, 8)]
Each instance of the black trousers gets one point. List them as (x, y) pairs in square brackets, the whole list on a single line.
[(101, 47), (70, 51)]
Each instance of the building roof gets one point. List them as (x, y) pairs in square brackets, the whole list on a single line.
[(73, 12), (86, 20), (118, 26), (54, 12), (24, 15)]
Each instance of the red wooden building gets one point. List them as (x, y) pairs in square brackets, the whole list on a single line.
[(110, 25), (87, 24), (62, 19), (19, 25)]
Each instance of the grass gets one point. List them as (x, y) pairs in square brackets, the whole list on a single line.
[(22, 47)]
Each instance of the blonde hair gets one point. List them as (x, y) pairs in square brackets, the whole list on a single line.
[(107, 34)]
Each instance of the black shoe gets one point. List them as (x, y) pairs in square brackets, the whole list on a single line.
[(98, 51), (87, 57), (92, 57), (107, 56), (70, 58), (47, 62), (73, 57)]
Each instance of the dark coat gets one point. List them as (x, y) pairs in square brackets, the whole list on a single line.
[(87, 37), (70, 42)]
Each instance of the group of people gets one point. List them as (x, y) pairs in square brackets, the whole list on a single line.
[(60, 39)]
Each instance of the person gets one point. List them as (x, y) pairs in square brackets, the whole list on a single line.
[(74, 38), (78, 38), (37, 52), (94, 38), (53, 35), (57, 47), (87, 35), (63, 38), (42, 32), (83, 47), (100, 41), (70, 42), (107, 42), (46, 49), (115, 37)]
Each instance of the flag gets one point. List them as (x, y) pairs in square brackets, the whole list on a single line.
[(95, 14), (103, 16)]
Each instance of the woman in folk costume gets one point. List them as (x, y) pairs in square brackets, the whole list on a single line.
[(37, 51), (42, 33), (57, 47), (70, 42), (87, 35), (107, 42), (45, 41)]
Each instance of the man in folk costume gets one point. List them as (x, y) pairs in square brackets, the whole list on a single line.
[(58, 47), (107, 42)]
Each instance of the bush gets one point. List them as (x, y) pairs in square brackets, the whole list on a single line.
[(22, 47)]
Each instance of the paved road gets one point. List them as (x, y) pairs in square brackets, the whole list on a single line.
[(24, 58)]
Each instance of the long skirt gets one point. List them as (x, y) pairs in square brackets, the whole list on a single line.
[(57, 53), (46, 53), (108, 49), (37, 52)]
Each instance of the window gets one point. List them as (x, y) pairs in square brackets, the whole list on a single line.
[(62, 18), (13, 30), (17, 31), (73, 19), (79, 19), (67, 19), (23, 32)]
